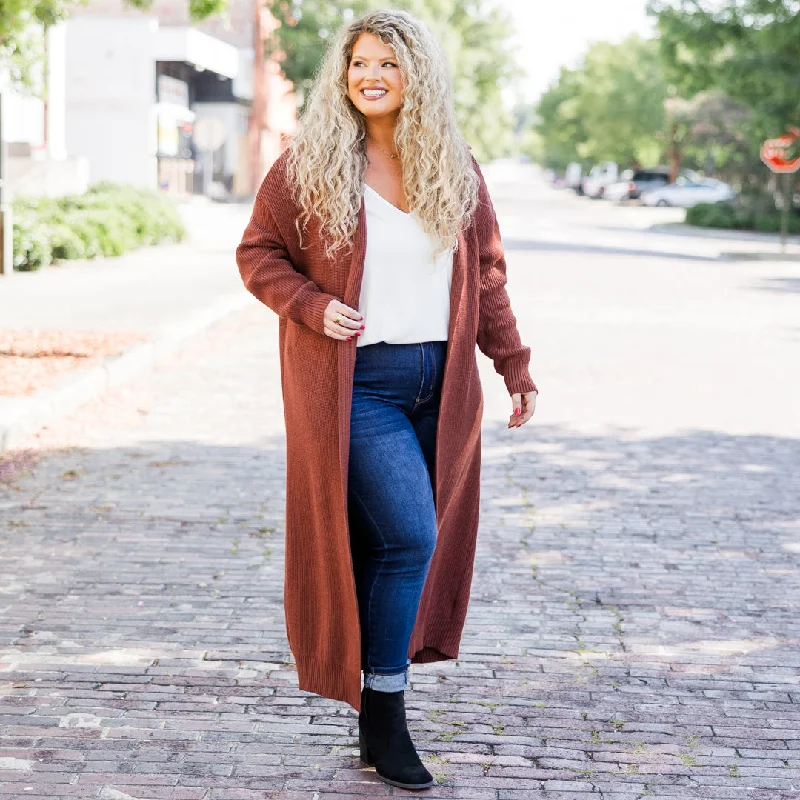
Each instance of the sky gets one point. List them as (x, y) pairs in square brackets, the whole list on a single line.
[(552, 33)]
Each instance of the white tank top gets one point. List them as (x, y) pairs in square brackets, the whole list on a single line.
[(405, 293)]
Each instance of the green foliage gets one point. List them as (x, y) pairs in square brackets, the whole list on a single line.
[(474, 34), (306, 27), (621, 99), (65, 243), (108, 220), (757, 214), (560, 123), (750, 49), (610, 108), (21, 38), (709, 132), (712, 215), (31, 246)]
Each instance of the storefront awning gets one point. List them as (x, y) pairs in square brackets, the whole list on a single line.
[(198, 49)]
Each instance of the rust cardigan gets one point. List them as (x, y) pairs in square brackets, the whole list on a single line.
[(317, 381)]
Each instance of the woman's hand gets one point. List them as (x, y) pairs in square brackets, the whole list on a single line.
[(342, 322), (524, 406)]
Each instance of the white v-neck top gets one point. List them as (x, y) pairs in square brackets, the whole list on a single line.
[(405, 293)]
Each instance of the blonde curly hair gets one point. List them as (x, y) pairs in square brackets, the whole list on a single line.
[(327, 158)]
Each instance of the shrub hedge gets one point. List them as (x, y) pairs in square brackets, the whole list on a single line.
[(108, 220), (738, 217)]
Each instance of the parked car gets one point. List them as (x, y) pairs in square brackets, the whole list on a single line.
[(635, 183), (574, 177), (686, 193), (600, 176)]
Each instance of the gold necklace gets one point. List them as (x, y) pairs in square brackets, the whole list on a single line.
[(385, 152)]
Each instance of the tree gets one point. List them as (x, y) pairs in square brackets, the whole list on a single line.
[(750, 49), (16, 15), (21, 41), (621, 100), (304, 31), (559, 122), (709, 129), (611, 108)]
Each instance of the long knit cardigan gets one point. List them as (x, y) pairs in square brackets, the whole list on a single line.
[(295, 279)]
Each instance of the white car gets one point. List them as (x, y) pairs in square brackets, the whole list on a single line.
[(600, 176), (573, 177), (686, 193)]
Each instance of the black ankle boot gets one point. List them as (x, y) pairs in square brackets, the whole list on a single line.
[(386, 743)]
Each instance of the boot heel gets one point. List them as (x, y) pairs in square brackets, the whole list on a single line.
[(366, 756)]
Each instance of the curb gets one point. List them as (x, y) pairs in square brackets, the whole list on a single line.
[(682, 229), (21, 417), (746, 255)]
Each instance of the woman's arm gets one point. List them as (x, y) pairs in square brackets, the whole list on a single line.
[(268, 272), (498, 337)]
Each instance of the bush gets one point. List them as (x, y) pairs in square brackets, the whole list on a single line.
[(767, 223), (746, 216), (108, 220), (31, 244), (65, 243), (712, 215)]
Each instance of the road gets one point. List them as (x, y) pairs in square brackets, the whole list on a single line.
[(633, 628)]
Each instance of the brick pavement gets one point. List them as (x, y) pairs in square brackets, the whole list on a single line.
[(632, 632)]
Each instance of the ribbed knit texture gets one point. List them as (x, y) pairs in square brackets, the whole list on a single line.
[(298, 282)]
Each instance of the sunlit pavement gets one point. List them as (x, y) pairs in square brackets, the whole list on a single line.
[(633, 627)]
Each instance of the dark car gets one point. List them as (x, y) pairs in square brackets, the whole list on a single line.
[(642, 180)]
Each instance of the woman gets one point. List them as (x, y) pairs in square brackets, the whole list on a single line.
[(374, 239)]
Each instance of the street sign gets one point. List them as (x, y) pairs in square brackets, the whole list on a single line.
[(774, 152)]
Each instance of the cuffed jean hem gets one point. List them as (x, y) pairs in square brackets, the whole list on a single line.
[(387, 683)]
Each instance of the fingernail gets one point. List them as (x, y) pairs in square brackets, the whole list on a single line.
[(362, 327), (349, 338), (518, 411)]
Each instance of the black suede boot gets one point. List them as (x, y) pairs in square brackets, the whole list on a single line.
[(386, 743)]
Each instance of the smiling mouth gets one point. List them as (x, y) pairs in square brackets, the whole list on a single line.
[(374, 94)]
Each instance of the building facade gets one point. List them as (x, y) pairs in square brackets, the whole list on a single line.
[(126, 90)]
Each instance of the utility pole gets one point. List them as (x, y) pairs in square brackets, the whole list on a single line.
[(6, 230), (256, 123)]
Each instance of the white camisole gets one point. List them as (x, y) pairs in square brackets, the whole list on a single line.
[(405, 293)]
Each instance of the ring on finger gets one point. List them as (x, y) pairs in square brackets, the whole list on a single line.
[(337, 319)]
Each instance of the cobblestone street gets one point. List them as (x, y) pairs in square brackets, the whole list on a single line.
[(633, 630)]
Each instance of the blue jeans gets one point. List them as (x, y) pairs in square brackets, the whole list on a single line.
[(396, 394)]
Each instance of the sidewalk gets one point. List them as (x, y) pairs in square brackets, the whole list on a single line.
[(157, 296), (739, 245), (142, 291), (632, 631)]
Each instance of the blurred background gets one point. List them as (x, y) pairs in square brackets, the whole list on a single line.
[(665, 103), (126, 124), (633, 627)]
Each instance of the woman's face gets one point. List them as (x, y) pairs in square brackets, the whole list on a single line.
[(374, 82)]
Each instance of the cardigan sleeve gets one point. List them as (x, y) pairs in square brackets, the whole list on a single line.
[(268, 273), (498, 337)]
